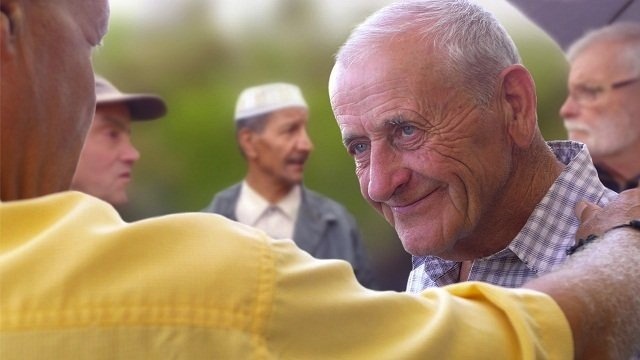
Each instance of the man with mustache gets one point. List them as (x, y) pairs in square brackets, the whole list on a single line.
[(108, 155), (602, 109), (271, 130)]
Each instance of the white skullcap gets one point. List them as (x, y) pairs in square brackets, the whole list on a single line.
[(262, 99)]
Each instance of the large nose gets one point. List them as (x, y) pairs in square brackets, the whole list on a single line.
[(304, 142), (569, 109), (129, 152), (387, 174)]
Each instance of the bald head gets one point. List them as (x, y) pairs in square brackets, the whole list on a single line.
[(46, 97)]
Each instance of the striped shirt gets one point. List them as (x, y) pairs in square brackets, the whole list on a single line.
[(543, 241)]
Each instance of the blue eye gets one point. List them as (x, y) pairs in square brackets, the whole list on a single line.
[(408, 130), (359, 148)]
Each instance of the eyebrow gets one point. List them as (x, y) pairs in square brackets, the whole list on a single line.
[(350, 138), (588, 86), (396, 120), (116, 122), (392, 122)]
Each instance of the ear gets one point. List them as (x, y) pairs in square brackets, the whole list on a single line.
[(9, 16), (245, 140), (519, 104)]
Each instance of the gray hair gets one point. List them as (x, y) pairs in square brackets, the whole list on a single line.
[(627, 33), (472, 43), (255, 124)]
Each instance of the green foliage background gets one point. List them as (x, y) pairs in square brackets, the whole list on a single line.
[(191, 153)]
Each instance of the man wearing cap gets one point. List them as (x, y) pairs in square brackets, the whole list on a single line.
[(107, 157), (271, 129)]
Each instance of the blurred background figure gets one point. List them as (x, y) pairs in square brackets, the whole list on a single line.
[(271, 130), (107, 158), (603, 106)]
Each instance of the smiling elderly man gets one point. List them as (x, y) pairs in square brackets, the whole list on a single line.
[(440, 117)]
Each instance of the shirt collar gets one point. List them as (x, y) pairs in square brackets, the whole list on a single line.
[(542, 242), (550, 229), (251, 205), (291, 202)]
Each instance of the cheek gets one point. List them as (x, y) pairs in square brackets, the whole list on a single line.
[(465, 176), (363, 181), (591, 117), (484, 184)]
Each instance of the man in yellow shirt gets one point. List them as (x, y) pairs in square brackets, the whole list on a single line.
[(78, 282)]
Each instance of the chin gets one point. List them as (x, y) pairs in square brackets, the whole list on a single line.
[(414, 244), (118, 201), (295, 181)]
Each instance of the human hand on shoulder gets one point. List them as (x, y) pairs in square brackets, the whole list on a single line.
[(596, 220)]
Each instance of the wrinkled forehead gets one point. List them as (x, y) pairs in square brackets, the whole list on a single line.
[(406, 56), (387, 75), (351, 82)]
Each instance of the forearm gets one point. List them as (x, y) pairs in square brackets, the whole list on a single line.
[(598, 289), (336, 318)]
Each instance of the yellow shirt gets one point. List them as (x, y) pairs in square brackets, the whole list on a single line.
[(77, 282)]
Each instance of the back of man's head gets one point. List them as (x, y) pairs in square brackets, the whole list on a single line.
[(47, 99)]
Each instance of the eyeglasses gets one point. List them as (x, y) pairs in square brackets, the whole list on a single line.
[(587, 94)]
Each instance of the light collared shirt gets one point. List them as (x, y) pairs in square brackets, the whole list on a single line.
[(543, 241), (278, 220)]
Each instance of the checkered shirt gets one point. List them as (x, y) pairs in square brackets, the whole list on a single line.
[(543, 241)]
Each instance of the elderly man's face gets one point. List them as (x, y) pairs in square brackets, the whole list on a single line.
[(602, 109), (426, 157), (280, 151)]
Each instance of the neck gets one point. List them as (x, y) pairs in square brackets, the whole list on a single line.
[(465, 269), (25, 179), (272, 191), (533, 174)]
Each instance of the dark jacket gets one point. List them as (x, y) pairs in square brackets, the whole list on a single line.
[(324, 228)]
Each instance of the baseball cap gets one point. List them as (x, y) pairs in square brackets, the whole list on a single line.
[(262, 99), (141, 106)]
